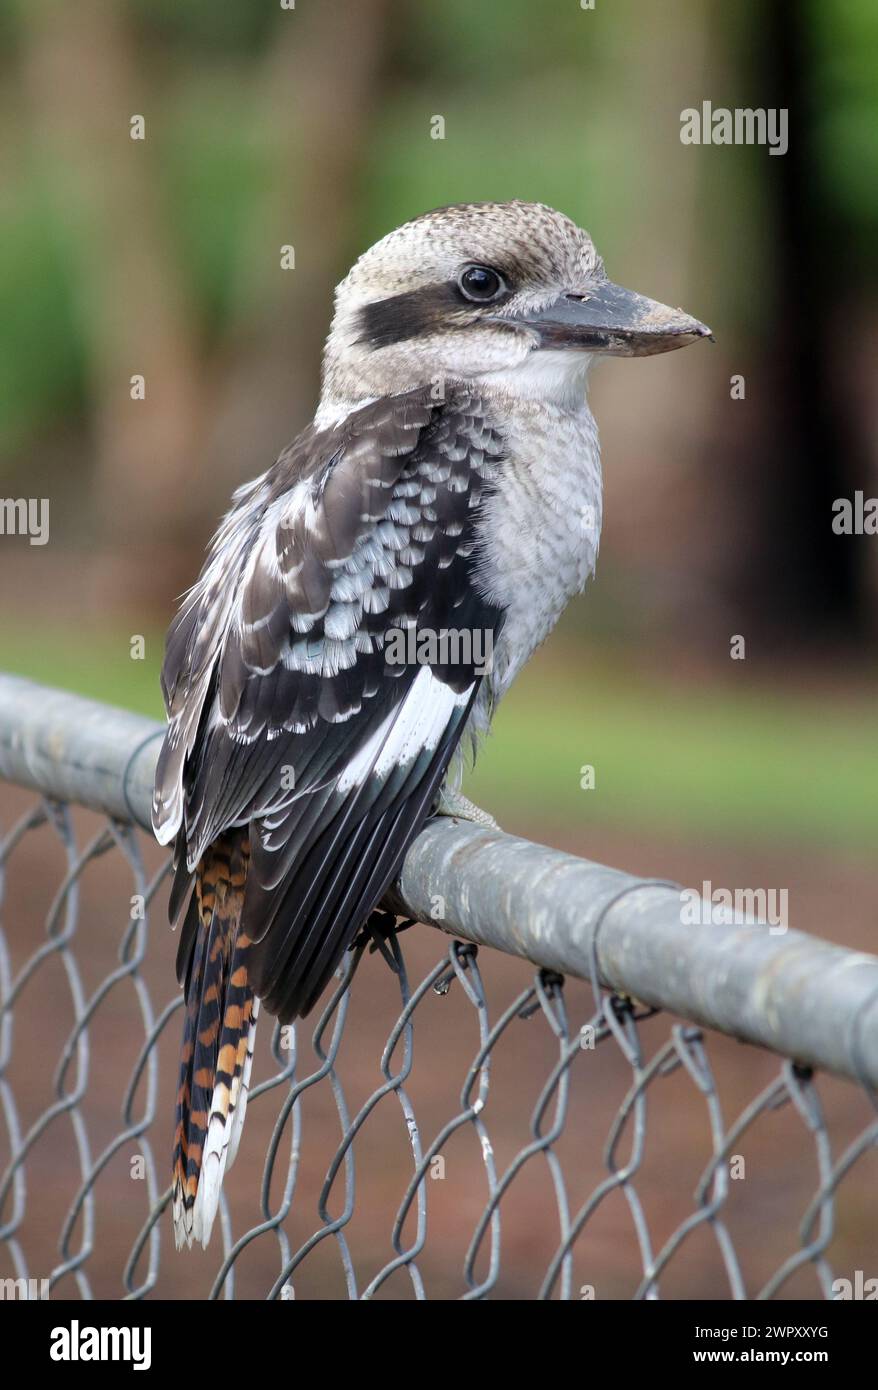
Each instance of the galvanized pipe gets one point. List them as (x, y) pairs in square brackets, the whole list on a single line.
[(802, 997)]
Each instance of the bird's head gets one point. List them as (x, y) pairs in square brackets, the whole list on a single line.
[(513, 294)]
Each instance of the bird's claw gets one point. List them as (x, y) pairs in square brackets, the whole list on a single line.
[(461, 808)]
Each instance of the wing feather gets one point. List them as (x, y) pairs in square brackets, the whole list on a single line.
[(285, 714)]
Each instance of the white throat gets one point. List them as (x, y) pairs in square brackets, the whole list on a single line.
[(555, 377)]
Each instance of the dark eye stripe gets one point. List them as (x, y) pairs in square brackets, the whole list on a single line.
[(416, 312)]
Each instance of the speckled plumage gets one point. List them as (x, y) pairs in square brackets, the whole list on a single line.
[(450, 480), (539, 532)]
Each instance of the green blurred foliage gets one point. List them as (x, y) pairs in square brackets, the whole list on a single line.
[(42, 357), (541, 89), (212, 184), (845, 112), (239, 31)]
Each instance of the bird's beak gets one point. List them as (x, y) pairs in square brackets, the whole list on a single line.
[(606, 318)]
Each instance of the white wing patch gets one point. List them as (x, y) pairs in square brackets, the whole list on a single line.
[(417, 724)]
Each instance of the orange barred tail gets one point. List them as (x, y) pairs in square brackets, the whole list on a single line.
[(218, 1037)]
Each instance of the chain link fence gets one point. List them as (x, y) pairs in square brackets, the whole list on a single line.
[(544, 1102)]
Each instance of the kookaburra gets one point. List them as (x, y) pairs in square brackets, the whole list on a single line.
[(450, 481)]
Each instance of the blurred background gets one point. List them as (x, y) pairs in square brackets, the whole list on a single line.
[(311, 127)]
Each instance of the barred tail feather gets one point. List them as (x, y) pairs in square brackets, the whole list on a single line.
[(227, 1107), (218, 1038), (239, 1099)]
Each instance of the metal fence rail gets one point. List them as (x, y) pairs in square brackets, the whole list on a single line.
[(813, 1004)]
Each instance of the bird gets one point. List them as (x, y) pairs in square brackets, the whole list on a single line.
[(449, 482)]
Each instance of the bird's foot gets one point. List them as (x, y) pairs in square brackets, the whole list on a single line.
[(461, 808), (378, 931)]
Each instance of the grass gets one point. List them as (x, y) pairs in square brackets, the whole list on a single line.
[(753, 764), (669, 755), (95, 664)]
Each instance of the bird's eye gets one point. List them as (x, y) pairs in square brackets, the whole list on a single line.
[(480, 283)]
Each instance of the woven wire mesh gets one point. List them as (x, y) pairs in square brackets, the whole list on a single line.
[(592, 1075)]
